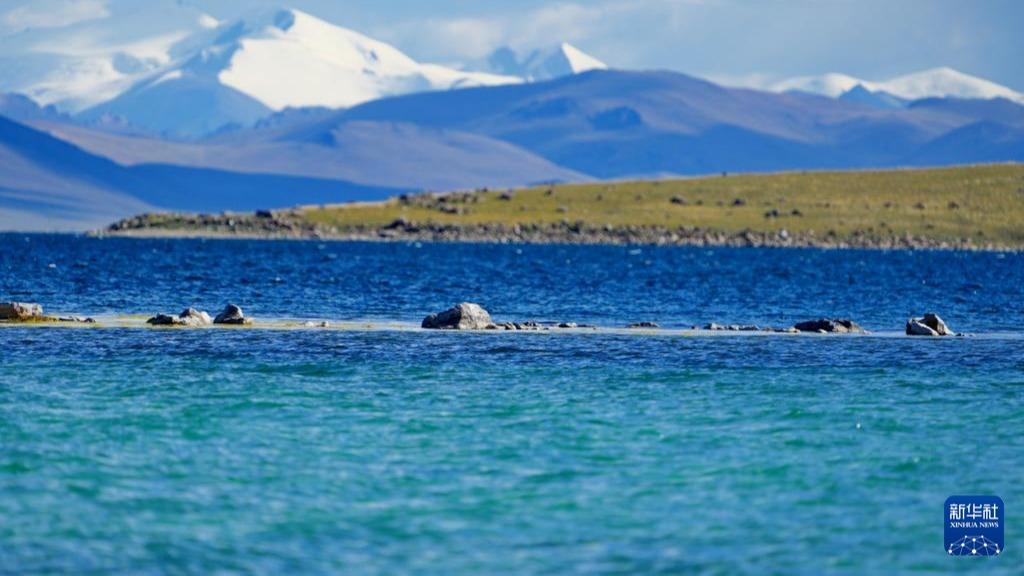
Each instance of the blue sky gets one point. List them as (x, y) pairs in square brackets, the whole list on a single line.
[(873, 39)]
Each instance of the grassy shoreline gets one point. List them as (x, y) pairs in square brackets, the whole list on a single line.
[(975, 207)]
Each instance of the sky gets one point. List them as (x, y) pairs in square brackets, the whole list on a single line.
[(739, 41)]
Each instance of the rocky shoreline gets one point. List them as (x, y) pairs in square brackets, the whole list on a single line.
[(468, 316), (290, 225)]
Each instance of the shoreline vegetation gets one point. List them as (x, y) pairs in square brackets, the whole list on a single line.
[(962, 208)]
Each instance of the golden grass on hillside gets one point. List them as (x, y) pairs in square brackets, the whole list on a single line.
[(982, 203)]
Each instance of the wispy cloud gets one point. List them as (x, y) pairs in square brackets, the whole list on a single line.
[(473, 38), (53, 14), (592, 24)]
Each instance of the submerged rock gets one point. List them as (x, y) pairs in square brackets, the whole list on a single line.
[(76, 320), (233, 315), (188, 317), (644, 325), (732, 327), (929, 325), (464, 316), (528, 325), (830, 326), (20, 311)]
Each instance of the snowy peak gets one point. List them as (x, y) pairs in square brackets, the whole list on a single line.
[(288, 58), (578, 61), (239, 72), (935, 83), (946, 82), (82, 64), (832, 85), (563, 60)]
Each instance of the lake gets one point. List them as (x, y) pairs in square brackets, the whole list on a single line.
[(407, 451)]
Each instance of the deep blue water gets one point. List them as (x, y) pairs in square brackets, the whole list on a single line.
[(603, 285), (145, 451)]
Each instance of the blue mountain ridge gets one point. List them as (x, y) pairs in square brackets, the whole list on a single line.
[(51, 180), (595, 125)]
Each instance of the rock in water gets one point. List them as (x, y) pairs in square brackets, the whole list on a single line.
[(830, 325), (76, 320), (644, 325), (232, 314), (188, 317), (162, 320), (193, 317), (916, 328), (929, 325), (464, 316), (20, 311)]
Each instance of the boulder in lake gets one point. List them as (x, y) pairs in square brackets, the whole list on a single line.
[(644, 325), (464, 316), (76, 320), (188, 317), (830, 326), (928, 325), (20, 311), (232, 315), (731, 327), (193, 317)]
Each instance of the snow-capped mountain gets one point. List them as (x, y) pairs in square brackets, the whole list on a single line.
[(85, 63), (166, 66), (946, 83), (563, 60), (934, 83), (238, 73), (832, 85), (292, 59)]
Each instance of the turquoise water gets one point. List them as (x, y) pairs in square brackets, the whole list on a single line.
[(144, 451)]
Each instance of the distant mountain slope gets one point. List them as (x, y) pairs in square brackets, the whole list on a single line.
[(935, 83), (861, 95), (49, 184), (981, 142), (181, 106), (562, 60), (997, 110), (614, 124), (21, 108), (599, 124), (389, 154)]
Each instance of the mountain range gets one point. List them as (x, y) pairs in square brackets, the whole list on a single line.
[(938, 82), (282, 108), (236, 74), (563, 60)]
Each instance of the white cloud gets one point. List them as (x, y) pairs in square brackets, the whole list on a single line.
[(557, 23), (756, 81), (472, 38), (467, 37), (605, 28), (53, 14)]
